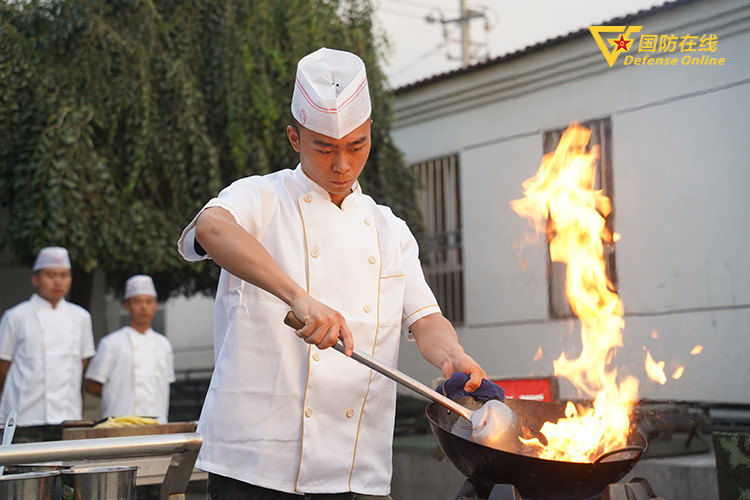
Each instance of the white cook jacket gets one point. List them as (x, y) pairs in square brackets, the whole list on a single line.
[(135, 370), (45, 346), (285, 415)]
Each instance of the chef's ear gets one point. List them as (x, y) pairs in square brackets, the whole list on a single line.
[(293, 134)]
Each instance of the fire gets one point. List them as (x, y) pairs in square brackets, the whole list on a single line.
[(539, 354), (561, 201), (655, 370)]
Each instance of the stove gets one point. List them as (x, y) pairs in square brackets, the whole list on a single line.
[(635, 489)]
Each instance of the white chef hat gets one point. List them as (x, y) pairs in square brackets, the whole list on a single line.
[(140, 284), (331, 95), (52, 257)]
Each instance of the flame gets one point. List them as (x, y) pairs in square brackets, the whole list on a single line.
[(678, 372), (560, 200), (655, 370), (539, 354), (696, 350)]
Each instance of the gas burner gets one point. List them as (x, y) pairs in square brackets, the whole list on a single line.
[(635, 489)]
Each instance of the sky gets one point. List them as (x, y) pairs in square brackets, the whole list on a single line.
[(419, 48)]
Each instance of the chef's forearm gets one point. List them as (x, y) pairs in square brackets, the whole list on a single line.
[(436, 339), (4, 366), (92, 387), (438, 343), (241, 254)]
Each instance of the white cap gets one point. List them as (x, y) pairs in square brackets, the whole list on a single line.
[(52, 257), (331, 95), (140, 284)]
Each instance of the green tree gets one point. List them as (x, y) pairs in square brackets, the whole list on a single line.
[(120, 118)]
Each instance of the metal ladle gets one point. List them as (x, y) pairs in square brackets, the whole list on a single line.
[(493, 425), (8, 431)]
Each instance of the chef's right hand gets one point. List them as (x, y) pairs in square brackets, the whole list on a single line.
[(323, 326)]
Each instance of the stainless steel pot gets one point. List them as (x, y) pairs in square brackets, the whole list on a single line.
[(29, 485), (102, 483)]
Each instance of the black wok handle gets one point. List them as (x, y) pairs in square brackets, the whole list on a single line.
[(393, 374), (619, 450)]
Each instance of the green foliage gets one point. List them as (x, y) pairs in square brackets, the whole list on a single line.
[(119, 119)]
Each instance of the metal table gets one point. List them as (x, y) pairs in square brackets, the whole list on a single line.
[(183, 448)]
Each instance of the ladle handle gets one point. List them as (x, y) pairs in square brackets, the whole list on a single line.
[(391, 373)]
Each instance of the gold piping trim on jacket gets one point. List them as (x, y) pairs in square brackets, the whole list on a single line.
[(420, 309), (309, 350), (372, 353)]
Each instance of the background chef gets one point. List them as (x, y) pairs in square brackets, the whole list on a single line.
[(134, 366), (284, 417), (45, 343)]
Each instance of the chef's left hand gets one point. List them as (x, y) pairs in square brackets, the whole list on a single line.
[(438, 343), (459, 361)]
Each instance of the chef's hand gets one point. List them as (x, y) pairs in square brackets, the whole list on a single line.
[(459, 361), (323, 326), (438, 342)]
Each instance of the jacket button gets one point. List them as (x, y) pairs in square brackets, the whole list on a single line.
[(307, 197), (367, 308), (316, 356), (350, 413), (314, 253), (308, 412), (372, 259)]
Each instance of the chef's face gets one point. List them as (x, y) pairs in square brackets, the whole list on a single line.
[(334, 164), (142, 309), (52, 284)]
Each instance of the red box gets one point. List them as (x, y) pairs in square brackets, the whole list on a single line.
[(536, 389)]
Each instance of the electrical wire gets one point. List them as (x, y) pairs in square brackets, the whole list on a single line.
[(386, 10), (435, 50), (420, 5)]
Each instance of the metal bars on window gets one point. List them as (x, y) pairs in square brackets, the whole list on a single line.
[(601, 135), (443, 257)]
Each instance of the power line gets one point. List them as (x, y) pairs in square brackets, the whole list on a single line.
[(468, 54), (422, 56), (386, 10), (416, 4)]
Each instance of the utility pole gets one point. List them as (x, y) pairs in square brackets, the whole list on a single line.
[(465, 16), (465, 34)]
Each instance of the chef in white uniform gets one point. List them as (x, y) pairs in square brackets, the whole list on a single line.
[(45, 343), (134, 366), (283, 417)]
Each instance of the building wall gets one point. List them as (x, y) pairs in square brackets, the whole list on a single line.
[(680, 203), (189, 327)]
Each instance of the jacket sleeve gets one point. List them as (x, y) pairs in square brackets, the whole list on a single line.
[(249, 203)]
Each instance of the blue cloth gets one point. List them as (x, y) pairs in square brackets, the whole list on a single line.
[(454, 388)]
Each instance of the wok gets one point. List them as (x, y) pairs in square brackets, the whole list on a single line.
[(534, 478)]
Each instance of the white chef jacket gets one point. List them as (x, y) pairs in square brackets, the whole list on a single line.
[(45, 346), (135, 370), (280, 413)]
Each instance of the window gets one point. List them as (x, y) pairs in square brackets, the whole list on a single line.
[(442, 260), (601, 135)]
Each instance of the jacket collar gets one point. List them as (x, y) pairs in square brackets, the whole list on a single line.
[(44, 303), (310, 186)]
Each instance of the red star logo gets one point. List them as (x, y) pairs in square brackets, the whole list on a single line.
[(622, 43)]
